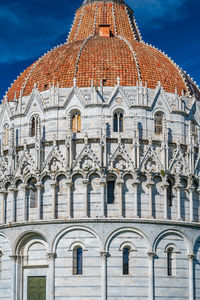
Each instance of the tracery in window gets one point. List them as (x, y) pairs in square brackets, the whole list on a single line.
[(118, 122), (159, 122), (126, 252), (6, 135), (76, 122), (77, 261), (34, 126)]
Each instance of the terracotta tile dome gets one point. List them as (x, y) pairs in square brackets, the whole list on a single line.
[(104, 44)]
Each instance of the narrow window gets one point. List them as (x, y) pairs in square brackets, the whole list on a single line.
[(159, 122), (17, 137), (34, 126), (6, 135), (194, 130), (32, 194), (118, 122), (111, 191), (169, 193), (43, 132), (76, 123), (78, 261), (115, 123), (170, 262), (126, 261), (1, 254)]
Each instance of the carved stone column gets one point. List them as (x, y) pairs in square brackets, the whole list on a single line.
[(24, 187), (151, 256), (69, 204), (104, 255), (150, 185), (178, 187), (39, 188), (119, 183), (135, 183), (3, 194), (51, 257), (53, 187), (191, 258), (13, 280), (85, 183), (165, 186), (103, 198), (191, 191), (13, 190)]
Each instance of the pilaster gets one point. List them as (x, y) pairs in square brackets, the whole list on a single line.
[(135, 184), (53, 188), (85, 184), (69, 206), (51, 257), (39, 187), (103, 198), (119, 183), (13, 191), (191, 258), (104, 255), (24, 188), (150, 184), (3, 215), (151, 256), (178, 187), (165, 186)]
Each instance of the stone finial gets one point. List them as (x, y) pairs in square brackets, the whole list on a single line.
[(118, 81), (86, 138)]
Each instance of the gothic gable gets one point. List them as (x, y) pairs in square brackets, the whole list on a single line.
[(150, 162), (120, 160), (178, 164), (55, 160), (86, 160), (26, 164)]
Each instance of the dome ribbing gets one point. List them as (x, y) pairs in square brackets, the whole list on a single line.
[(90, 56)]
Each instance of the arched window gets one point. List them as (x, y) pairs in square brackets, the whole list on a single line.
[(34, 126), (118, 122), (111, 190), (170, 262), (78, 261), (159, 122), (76, 122), (6, 135), (126, 252)]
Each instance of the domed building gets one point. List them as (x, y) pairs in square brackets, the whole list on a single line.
[(99, 169)]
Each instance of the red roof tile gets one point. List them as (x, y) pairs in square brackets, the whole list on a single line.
[(87, 56)]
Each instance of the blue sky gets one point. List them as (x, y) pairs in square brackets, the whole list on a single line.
[(30, 28)]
